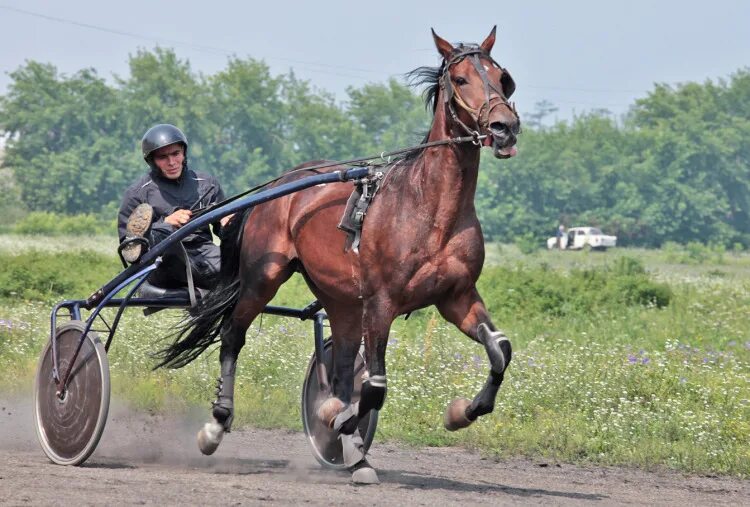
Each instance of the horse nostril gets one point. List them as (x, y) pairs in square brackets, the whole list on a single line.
[(498, 127)]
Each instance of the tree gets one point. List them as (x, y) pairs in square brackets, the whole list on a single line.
[(542, 109), (245, 144), (63, 146), (390, 115)]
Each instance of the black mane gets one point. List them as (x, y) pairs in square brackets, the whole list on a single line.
[(430, 78)]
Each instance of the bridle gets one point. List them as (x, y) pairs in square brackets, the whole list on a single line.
[(493, 96)]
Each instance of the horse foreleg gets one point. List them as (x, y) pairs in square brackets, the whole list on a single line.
[(338, 412), (375, 327), (467, 311)]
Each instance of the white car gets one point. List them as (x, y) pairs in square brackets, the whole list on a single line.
[(580, 238)]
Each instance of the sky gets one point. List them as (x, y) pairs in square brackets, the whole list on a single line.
[(579, 55)]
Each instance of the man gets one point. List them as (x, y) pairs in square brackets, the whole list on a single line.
[(164, 200), (560, 233)]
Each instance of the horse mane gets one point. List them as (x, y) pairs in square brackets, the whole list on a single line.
[(430, 78)]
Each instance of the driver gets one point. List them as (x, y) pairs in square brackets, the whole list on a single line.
[(162, 201)]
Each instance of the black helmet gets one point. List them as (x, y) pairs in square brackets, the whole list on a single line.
[(159, 136)]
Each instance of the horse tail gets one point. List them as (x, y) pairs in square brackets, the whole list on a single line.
[(203, 324)]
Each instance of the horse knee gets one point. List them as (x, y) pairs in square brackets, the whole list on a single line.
[(374, 390)]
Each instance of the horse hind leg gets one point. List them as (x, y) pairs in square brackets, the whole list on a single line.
[(468, 313), (251, 303)]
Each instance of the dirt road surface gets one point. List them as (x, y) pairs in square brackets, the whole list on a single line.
[(145, 460)]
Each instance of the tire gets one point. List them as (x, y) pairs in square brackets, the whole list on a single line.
[(69, 429), (325, 443)]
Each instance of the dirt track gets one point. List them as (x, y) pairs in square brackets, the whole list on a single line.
[(151, 460)]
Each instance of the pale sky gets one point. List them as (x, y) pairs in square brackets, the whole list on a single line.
[(579, 55)]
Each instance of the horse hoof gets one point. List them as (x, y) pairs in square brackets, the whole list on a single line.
[(365, 475), (455, 415), (209, 437), (328, 411)]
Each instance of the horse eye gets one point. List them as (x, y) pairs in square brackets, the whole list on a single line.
[(461, 81)]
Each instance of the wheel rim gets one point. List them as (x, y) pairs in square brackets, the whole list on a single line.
[(69, 429), (324, 441)]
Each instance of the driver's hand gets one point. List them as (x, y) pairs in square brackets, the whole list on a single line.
[(179, 217)]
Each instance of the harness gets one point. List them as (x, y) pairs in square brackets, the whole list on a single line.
[(359, 201)]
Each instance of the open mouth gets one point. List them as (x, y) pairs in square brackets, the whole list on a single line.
[(503, 141), (503, 151)]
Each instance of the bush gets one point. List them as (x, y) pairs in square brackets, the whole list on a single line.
[(542, 290), (44, 275), (527, 243), (52, 224), (694, 253)]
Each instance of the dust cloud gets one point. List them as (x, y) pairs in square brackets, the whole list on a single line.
[(136, 438)]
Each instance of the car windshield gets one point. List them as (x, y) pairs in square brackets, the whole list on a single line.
[(594, 230)]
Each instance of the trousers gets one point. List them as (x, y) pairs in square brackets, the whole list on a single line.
[(205, 263)]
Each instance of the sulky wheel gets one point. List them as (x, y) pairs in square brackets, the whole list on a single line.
[(325, 443), (70, 427)]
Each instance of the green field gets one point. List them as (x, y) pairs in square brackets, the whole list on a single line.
[(631, 357)]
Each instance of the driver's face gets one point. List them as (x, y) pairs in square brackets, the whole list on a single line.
[(169, 159)]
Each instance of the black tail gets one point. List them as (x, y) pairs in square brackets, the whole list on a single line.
[(204, 322)]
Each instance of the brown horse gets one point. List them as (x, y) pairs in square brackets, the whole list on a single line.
[(421, 244)]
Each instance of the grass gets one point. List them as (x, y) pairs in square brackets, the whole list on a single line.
[(597, 377)]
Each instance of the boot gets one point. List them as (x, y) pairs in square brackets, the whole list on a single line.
[(137, 227)]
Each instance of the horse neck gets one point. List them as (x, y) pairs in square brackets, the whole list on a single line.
[(447, 174)]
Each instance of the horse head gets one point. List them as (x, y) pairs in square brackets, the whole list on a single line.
[(475, 90)]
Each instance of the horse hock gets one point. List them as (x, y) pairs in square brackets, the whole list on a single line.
[(462, 413)]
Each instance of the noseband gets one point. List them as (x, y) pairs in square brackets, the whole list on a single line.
[(493, 96)]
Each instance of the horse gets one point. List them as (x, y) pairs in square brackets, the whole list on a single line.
[(421, 244)]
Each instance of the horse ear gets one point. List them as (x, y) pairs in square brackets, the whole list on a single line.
[(443, 46), (489, 41)]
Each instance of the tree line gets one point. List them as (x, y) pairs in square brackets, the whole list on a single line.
[(676, 168)]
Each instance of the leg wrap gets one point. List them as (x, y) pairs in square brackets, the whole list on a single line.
[(373, 397), (346, 422), (497, 346), (374, 390), (353, 448), (223, 407)]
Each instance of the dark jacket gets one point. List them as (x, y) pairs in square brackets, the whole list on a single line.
[(166, 196)]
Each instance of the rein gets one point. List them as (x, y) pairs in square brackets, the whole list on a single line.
[(474, 138)]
